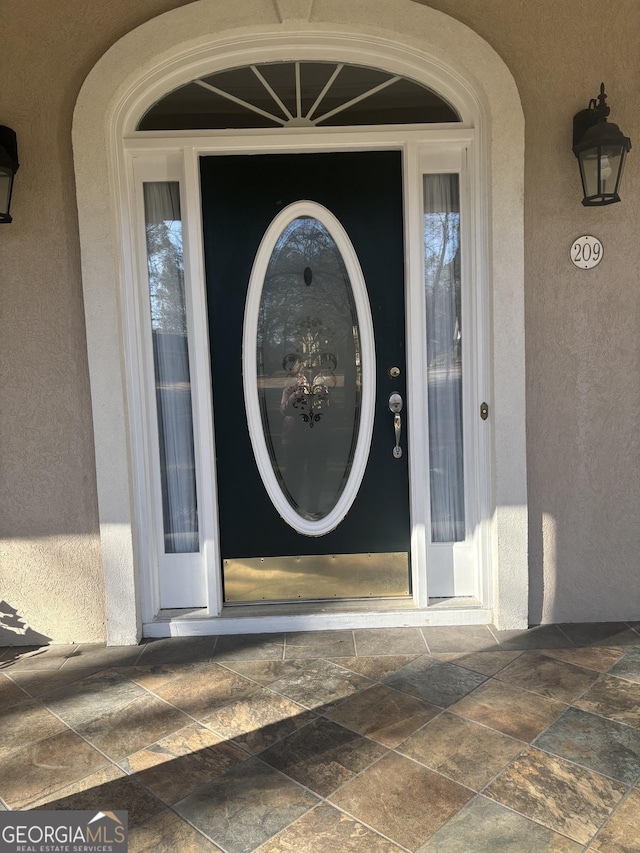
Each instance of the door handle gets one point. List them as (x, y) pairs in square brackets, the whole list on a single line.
[(395, 406)]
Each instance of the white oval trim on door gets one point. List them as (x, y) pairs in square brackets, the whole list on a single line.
[(333, 518)]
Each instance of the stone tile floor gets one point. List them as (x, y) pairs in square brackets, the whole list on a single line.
[(435, 740)]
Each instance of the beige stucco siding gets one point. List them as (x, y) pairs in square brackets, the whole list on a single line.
[(582, 328)]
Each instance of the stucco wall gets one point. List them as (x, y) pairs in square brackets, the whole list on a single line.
[(582, 330), (51, 583)]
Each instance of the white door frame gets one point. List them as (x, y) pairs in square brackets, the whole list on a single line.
[(173, 48)]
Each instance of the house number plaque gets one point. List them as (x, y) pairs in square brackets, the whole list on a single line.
[(586, 252)]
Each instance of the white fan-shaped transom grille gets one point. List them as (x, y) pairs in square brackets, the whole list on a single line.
[(297, 94)]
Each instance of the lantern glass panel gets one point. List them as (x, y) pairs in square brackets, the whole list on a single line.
[(600, 168), (6, 180)]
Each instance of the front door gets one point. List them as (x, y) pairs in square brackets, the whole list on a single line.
[(304, 257)]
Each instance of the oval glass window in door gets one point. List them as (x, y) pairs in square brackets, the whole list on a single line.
[(310, 407)]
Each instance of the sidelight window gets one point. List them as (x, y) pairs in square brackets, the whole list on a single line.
[(165, 265), (442, 280)]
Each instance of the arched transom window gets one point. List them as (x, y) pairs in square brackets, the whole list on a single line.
[(297, 94)]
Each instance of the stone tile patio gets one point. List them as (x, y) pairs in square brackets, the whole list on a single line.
[(433, 740)]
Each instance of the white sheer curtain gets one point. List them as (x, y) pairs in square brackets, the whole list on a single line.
[(171, 360), (444, 356)]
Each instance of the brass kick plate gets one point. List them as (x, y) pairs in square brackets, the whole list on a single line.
[(327, 576)]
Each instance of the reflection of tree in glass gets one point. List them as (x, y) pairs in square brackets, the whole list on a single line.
[(171, 361), (442, 281), (166, 277), (288, 301), (444, 375)]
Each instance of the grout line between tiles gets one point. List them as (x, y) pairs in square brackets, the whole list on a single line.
[(557, 758), (493, 674), (548, 653), (286, 828), (12, 681), (175, 708), (214, 845), (121, 708), (82, 674), (213, 649), (55, 794), (577, 764), (565, 635), (476, 723), (419, 764), (533, 743), (428, 647), (584, 692), (618, 805), (432, 769), (493, 634), (327, 801), (620, 677), (355, 646), (503, 770), (188, 823), (111, 762), (109, 664), (601, 676), (532, 820), (369, 827), (33, 743), (517, 687), (115, 762)]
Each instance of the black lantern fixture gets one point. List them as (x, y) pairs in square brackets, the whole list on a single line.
[(601, 149), (8, 167)]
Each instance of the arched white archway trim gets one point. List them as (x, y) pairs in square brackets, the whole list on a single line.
[(407, 38)]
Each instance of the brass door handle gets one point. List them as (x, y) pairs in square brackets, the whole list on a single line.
[(395, 406)]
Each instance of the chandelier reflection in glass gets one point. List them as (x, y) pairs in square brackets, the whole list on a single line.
[(311, 370)]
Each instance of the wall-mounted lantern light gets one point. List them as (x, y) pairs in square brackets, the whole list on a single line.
[(601, 149), (8, 168)]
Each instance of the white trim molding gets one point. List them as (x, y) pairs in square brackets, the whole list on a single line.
[(208, 35)]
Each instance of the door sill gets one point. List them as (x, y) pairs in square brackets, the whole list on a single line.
[(319, 607), (318, 616), (453, 603)]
